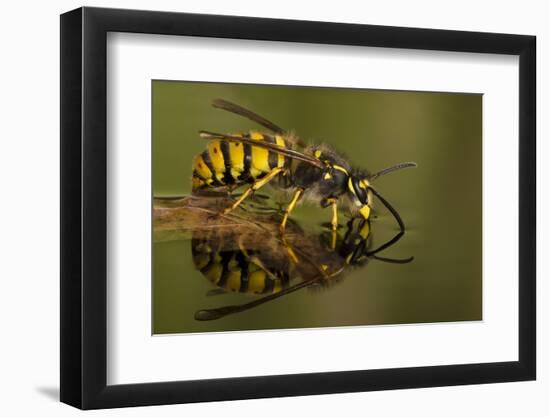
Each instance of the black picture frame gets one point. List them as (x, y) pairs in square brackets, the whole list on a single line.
[(84, 207)]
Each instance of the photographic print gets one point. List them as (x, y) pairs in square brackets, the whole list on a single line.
[(374, 189), (287, 207)]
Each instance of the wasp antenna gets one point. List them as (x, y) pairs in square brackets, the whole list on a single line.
[(393, 168), (392, 241), (390, 208), (393, 260)]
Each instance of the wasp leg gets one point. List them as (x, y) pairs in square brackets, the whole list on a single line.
[(290, 207), (257, 185), (232, 188), (333, 202), (290, 252), (334, 221), (254, 258)]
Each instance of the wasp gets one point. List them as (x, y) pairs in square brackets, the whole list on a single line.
[(265, 266), (309, 172)]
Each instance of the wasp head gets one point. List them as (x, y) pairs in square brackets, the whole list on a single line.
[(361, 196)]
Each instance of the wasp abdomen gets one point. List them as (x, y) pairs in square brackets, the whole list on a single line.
[(233, 271), (227, 163)]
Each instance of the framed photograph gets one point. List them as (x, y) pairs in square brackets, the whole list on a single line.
[(258, 208)]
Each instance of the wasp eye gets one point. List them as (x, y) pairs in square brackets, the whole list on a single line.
[(360, 189)]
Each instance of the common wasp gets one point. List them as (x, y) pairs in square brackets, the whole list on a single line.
[(311, 172)]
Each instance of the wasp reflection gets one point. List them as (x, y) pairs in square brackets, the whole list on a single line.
[(269, 265)]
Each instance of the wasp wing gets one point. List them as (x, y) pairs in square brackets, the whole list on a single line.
[(241, 111), (222, 104), (290, 153)]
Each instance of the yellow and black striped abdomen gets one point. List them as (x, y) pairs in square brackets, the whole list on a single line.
[(233, 271), (228, 163)]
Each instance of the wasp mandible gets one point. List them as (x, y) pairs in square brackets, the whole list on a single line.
[(315, 173)]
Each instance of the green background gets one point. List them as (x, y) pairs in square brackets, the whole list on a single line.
[(440, 202)]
